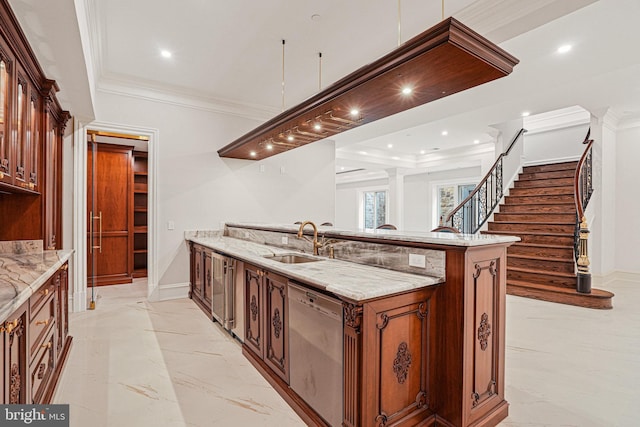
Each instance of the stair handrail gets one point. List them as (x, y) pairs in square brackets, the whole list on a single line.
[(582, 190), (486, 188)]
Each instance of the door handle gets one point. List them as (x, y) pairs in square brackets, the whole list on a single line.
[(99, 231)]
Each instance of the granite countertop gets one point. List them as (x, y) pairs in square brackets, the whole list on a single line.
[(346, 279), (22, 274), (439, 238)]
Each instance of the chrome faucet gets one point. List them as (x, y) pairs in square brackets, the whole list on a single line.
[(316, 244)]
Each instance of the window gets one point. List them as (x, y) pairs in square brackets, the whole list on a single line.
[(374, 208), (449, 197)]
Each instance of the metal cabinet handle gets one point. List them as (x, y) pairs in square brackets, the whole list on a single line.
[(47, 345), (99, 218), (45, 292), (42, 322)]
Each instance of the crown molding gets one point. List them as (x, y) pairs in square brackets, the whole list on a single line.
[(141, 90), (558, 119)]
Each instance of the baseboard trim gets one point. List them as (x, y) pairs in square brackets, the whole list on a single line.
[(170, 291), (606, 279)]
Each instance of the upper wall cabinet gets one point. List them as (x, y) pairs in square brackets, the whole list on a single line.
[(32, 125)]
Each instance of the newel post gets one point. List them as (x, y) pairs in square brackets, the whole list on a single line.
[(584, 276)]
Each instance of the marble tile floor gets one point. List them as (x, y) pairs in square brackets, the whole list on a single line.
[(138, 363)]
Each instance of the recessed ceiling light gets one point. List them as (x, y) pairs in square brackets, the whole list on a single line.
[(165, 53), (290, 138), (389, 145), (395, 158), (252, 153), (317, 126), (269, 146), (354, 112), (363, 153), (422, 151), (525, 114), (407, 90), (476, 141), (445, 133), (341, 168), (564, 48)]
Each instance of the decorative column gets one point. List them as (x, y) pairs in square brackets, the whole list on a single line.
[(396, 197)]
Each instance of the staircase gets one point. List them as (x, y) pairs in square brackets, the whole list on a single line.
[(540, 209)]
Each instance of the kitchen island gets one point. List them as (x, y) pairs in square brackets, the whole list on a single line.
[(422, 319)]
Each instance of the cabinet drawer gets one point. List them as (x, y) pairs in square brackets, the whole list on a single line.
[(42, 295), (41, 323), (42, 367)]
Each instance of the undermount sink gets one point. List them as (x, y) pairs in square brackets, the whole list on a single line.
[(292, 258)]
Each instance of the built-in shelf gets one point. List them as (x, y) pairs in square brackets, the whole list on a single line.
[(140, 202)]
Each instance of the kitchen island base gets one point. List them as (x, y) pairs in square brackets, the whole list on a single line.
[(418, 350)]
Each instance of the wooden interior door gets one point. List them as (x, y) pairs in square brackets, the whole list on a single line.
[(109, 211)]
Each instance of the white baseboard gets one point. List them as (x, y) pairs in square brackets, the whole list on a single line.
[(551, 160), (606, 279), (170, 291), (78, 301)]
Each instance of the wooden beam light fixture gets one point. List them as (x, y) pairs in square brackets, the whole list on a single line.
[(443, 60)]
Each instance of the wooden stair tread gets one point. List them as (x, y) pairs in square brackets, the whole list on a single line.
[(597, 299), (535, 222), (536, 233), (541, 258), (595, 293), (548, 273), (540, 245)]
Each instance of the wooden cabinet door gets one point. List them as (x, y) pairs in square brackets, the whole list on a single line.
[(63, 306), (396, 359), (277, 325), (110, 214), (198, 273), (20, 128), (208, 278), (15, 344), (6, 72), (254, 310)]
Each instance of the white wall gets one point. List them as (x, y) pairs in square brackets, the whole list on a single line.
[(198, 190), (418, 196), (627, 206), (348, 201), (555, 146)]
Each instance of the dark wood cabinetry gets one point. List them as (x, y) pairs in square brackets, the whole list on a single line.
[(140, 203), (35, 343), (32, 124), (266, 318), (254, 310), (276, 324), (15, 356), (201, 287)]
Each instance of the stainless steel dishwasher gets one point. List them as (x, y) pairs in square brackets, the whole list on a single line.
[(315, 351)]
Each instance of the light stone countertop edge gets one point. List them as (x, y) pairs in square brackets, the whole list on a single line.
[(429, 237), (25, 290), (346, 279)]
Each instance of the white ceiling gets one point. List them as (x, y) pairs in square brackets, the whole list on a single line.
[(229, 53)]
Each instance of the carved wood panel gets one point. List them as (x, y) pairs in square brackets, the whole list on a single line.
[(485, 334), (352, 360), (254, 310), (207, 289), (396, 359), (16, 353), (276, 323)]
